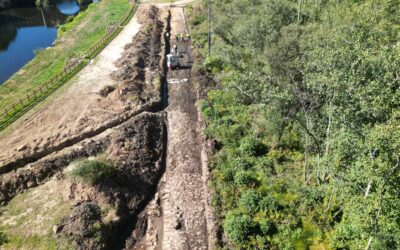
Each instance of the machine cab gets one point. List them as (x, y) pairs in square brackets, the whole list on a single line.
[(172, 61)]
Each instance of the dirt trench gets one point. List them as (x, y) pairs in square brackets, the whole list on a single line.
[(133, 140), (180, 215), (158, 197)]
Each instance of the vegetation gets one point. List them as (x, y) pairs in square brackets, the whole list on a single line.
[(93, 171), (74, 38), (3, 238), (306, 122), (26, 222)]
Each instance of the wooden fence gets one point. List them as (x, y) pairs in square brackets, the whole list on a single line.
[(12, 112)]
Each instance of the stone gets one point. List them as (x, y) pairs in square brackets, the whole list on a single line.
[(57, 229), (22, 148), (31, 184)]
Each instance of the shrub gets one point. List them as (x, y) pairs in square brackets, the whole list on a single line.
[(214, 65), (3, 238), (93, 171), (249, 201), (252, 146), (267, 227), (268, 204), (243, 178), (238, 227)]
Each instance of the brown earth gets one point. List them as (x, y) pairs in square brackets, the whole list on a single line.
[(83, 108), (180, 216), (133, 209)]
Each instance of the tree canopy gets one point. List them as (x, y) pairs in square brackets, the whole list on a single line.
[(307, 113)]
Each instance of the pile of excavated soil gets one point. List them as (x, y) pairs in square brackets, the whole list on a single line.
[(139, 69), (126, 76), (136, 149)]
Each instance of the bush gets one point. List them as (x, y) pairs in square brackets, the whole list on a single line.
[(243, 178), (252, 146), (93, 171), (238, 227), (214, 65), (249, 201), (268, 204), (3, 238)]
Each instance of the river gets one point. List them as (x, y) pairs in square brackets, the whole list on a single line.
[(27, 28)]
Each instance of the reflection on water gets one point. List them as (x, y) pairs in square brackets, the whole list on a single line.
[(67, 7), (24, 30)]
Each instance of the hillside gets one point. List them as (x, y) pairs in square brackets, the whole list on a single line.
[(305, 122)]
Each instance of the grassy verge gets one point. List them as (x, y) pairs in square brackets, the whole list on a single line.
[(27, 221), (75, 38)]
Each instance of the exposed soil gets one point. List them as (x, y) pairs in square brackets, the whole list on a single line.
[(158, 196), (81, 108), (180, 217)]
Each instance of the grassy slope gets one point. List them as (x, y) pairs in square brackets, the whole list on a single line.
[(74, 39)]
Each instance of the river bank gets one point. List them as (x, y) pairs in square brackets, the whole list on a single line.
[(74, 38), (26, 28)]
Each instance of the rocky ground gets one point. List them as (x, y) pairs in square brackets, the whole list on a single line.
[(136, 116)]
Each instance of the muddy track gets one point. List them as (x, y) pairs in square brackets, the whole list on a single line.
[(159, 193)]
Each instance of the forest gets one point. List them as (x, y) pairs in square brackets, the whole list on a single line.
[(305, 120)]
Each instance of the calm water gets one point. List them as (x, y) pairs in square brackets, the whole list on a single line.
[(26, 29)]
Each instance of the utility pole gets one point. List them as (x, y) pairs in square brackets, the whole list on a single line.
[(209, 28)]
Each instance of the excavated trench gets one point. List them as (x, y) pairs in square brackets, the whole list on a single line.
[(136, 141)]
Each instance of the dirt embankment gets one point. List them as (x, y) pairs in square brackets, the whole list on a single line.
[(140, 67), (134, 87), (136, 148), (104, 214)]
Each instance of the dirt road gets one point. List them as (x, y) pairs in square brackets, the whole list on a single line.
[(180, 215)]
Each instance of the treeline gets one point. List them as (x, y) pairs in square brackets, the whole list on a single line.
[(306, 122)]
